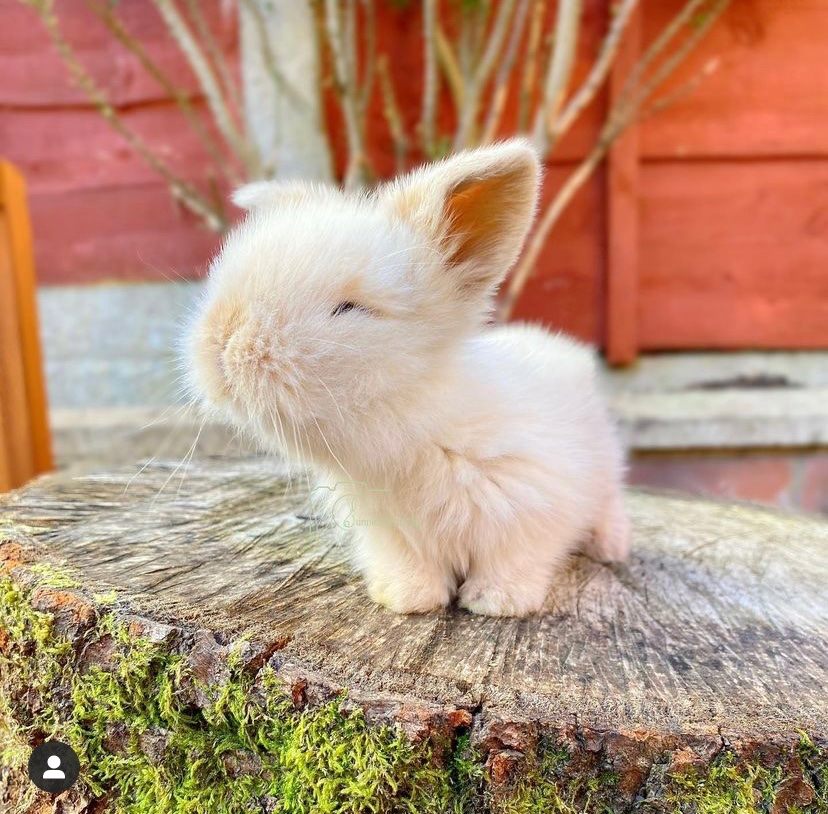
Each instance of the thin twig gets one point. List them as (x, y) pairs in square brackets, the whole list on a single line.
[(216, 55), (347, 93), (428, 115), (567, 28), (529, 77), (367, 83), (280, 81), (104, 12), (186, 41), (451, 68), (483, 70), (189, 196), (557, 125), (465, 44), (685, 15), (391, 110), (504, 73), (685, 89)]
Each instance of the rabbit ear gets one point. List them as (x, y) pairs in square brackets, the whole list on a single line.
[(478, 205), (260, 194)]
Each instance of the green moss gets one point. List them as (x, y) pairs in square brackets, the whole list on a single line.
[(246, 747), (145, 744), (725, 789), (53, 577), (729, 787), (814, 761), (548, 787), (467, 777)]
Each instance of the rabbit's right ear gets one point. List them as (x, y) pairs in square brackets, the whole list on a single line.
[(477, 206), (261, 194)]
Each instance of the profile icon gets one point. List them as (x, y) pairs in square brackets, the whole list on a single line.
[(53, 767), (53, 772)]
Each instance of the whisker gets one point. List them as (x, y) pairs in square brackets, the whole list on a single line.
[(189, 457)]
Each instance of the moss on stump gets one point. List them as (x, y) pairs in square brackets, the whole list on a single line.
[(205, 649)]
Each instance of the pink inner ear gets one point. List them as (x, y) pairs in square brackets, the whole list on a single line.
[(480, 213)]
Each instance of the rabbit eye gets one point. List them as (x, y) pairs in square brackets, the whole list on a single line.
[(344, 307)]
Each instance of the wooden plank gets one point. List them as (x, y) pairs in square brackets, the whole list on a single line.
[(21, 253), (35, 76), (90, 154), (734, 255), (622, 215), (766, 96), (565, 290), (132, 232), (6, 478), (15, 424)]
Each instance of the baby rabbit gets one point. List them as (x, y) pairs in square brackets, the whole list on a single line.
[(348, 333)]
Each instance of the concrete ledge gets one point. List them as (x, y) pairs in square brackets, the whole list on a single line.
[(723, 418), (113, 347), (122, 434)]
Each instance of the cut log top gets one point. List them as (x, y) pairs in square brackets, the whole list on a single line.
[(719, 621)]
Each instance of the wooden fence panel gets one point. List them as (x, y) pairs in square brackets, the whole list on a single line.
[(25, 447)]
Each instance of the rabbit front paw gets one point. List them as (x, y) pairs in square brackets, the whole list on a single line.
[(492, 598), (409, 594)]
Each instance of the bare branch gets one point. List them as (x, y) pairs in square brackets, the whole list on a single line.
[(429, 110), (557, 125), (451, 68), (280, 81), (104, 12), (181, 189), (685, 15), (567, 27), (685, 89), (692, 9), (530, 66), (504, 73), (468, 114), (367, 84), (216, 55), (186, 41), (347, 93), (391, 109), (624, 112)]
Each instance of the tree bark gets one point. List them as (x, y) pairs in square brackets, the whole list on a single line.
[(699, 666)]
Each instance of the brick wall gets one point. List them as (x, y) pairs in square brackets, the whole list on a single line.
[(788, 479)]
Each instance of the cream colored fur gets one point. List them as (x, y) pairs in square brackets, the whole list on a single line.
[(471, 460)]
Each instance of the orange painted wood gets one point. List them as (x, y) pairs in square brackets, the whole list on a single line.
[(734, 255), (6, 479), (99, 213), (566, 290), (767, 95), (18, 459), (25, 426), (622, 215), (123, 232), (35, 78)]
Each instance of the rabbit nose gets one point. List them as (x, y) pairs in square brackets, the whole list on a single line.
[(245, 353)]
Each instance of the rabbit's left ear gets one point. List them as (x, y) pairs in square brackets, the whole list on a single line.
[(477, 205), (262, 194)]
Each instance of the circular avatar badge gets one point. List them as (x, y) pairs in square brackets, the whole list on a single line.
[(53, 767)]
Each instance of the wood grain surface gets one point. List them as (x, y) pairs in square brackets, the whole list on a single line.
[(718, 624)]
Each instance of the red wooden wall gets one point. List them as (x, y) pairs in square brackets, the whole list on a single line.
[(709, 228)]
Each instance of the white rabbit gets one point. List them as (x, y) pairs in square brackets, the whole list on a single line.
[(348, 333)]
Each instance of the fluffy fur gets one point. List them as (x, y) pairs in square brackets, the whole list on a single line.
[(349, 334)]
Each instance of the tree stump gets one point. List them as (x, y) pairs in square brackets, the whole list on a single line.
[(200, 641)]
